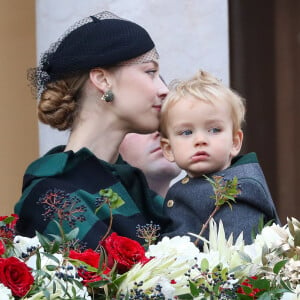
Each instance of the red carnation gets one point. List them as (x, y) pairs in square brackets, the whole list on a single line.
[(91, 258), (15, 275), (126, 252)]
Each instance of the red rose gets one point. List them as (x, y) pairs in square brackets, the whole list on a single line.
[(2, 247), (89, 256), (126, 252), (92, 258), (16, 275)]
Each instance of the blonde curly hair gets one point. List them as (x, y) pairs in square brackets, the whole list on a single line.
[(205, 87)]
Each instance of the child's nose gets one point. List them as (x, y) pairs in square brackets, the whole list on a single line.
[(200, 139)]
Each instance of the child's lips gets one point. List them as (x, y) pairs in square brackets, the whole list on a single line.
[(200, 156)]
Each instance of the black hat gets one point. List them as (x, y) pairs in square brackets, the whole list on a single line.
[(97, 41)]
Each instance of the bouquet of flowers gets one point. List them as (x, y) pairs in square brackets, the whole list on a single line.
[(173, 268)]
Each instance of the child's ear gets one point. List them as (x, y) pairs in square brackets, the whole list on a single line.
[(237, 141), (166, 149)]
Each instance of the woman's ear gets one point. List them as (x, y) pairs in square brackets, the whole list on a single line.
[(100, 79), (237, 141), (166, 149)]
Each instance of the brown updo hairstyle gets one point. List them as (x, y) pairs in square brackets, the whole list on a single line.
[(59, 102)]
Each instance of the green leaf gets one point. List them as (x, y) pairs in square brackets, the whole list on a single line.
[(106, 193), (286, 285), (45, 242), (55, 247), (224, 274), (262, 284), (97, 284), (102, 260), (204, 264), (72, 235), (8, 220), (278, 266), (246, 289), (56, 238), (38, 260), (297, 238), (116, 204), (186, 297), (244, 297), (51, 267), (266, 296), (51, 257), (216, 288), (193, 289), (113, 198), (119, 279)]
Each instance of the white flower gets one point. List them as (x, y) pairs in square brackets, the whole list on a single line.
[(218, 249), (291, 296), (5, 292), (59, 294), (172, 258), (167, 288), (56, 277), (272, 236), (178, 246), (291, 272), (22, 245)]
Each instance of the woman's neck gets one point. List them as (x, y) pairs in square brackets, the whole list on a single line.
[(101, 139)]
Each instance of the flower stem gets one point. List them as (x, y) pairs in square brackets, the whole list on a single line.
[(110, 223), (204, 226)]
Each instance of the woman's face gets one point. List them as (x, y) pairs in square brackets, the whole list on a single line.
[(139, 92)]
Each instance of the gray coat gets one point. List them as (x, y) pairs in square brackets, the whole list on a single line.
[(188, 202)]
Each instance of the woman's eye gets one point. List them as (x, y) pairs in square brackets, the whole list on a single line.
[(214, 130), (186, 132), (151, 72)]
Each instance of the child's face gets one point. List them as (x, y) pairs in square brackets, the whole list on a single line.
[(200, 138)]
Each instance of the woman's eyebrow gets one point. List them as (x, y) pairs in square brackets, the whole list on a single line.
[(155, 63)]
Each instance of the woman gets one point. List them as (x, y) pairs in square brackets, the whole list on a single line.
[(101, 81)]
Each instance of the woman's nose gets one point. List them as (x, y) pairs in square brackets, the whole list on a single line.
[(162, 88)]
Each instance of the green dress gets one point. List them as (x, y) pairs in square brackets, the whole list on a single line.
[(64, 186)]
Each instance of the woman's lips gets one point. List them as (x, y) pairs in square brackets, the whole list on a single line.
[(157, 107)]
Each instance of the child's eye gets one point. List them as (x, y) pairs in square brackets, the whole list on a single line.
[(214, 130), (186, 132)]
